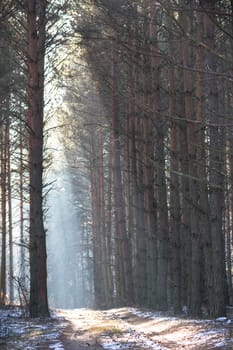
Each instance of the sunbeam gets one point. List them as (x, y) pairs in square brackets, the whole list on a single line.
[(64, 235)]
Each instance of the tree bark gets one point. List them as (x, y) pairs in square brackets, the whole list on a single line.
[(10, 231), (194, 278), (36, 21), (201, 152), (3, 212), (175, 210), (216, 164), (122, 240)]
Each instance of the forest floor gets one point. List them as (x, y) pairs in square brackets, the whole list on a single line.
[(116, 329)]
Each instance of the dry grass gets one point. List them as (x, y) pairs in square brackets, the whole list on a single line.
[(105, 329)]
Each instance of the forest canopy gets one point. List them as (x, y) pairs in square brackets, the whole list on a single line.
[(138, 95)]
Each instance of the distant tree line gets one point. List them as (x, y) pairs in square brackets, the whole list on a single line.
[(149, 140), (25, 38), (151, 114)]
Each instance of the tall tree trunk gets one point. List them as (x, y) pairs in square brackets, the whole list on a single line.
[(137, 171), (175, 214), (229, 235), (184, 168), (21, 205), (10, 231), (3, 212), (122, 239), (109, 238), (228, 217), (201, 153), (161, 190), (136, 144), (194, 280), (102, 220), (36, 21), (216, 164), (149, 105), (95, 210)]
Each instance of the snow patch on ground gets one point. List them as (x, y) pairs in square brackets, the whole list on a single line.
[(195, 332), (115, 329), (136, 329), (132, 345), (18, 331), (56, 346)]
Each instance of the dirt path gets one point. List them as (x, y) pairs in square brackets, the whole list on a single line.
[(71, 341), (116, 329), (128, 328), (79, 335)]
